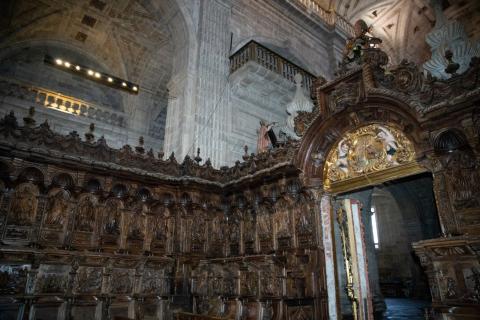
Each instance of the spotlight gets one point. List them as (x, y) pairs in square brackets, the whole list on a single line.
[(77, 68), (59, 61), (124, 84), (110, 79), (97, 75), (90, 72), (67, 64), (134, 88)]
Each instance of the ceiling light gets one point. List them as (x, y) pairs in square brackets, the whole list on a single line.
[(124, 84), (90, 72), (77, 68), (59, 61), (67, 64), (135, 88), (97, 75), (110, 79)]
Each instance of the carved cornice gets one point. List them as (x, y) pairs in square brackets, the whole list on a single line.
[(42, 143)]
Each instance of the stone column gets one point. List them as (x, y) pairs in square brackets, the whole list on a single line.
[(201, 118), (323, 210)]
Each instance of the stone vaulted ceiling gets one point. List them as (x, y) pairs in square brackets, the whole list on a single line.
[(122, 35), (403, 24)]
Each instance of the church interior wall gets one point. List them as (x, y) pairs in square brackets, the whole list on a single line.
[(157, 212)]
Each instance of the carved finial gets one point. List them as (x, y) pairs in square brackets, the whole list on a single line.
[(160, 154), (452, 66), (150, 154), (208, 163), (198, 159), (29, 120), (172, 157), (245, 156), (89, 136), (140, 148), (9, 120)]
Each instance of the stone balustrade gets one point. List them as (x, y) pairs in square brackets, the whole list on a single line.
[(254, 51), (330, 17), (60, 102)]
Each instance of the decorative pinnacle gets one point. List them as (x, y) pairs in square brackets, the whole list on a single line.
[(29, 120), (89, 136), (198, 159), (140, 148)]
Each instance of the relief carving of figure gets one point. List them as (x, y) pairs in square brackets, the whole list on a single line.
[(282, 220), (24, 204), (249, 227), (57, 208), (112, 216), (264, 223), (234, 230), (198, 228), (303, 217), (86, 212), (88, 280), (136, 228), (122, 282), (219, 226), (342, 160)]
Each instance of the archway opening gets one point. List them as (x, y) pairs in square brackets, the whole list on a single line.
[(383, 201), (391, 216)]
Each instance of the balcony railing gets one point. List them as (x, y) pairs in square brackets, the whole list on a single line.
[(254, 51), (60, 102), (330, 17)]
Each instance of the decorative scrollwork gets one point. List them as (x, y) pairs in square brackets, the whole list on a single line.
[(368, 149)]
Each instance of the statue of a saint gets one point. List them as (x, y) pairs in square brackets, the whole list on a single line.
[(266, 137)]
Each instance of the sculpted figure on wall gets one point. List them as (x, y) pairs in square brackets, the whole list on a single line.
[(219, 226), (122, 281), (86, 213), (463, 176), (161, 225), (198, 226), (58, 208), (249, 226), (112, 216), (136, 227), (234, 226), (88, 280), (282, 219), (303, 216), (24, 204), (264, 222), (249, 283)]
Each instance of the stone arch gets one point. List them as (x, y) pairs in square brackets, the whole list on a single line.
[(325, 133), (64, 181)]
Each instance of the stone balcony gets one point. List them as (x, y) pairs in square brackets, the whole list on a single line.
[(265, 79), (317, 14), (261, 85)]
